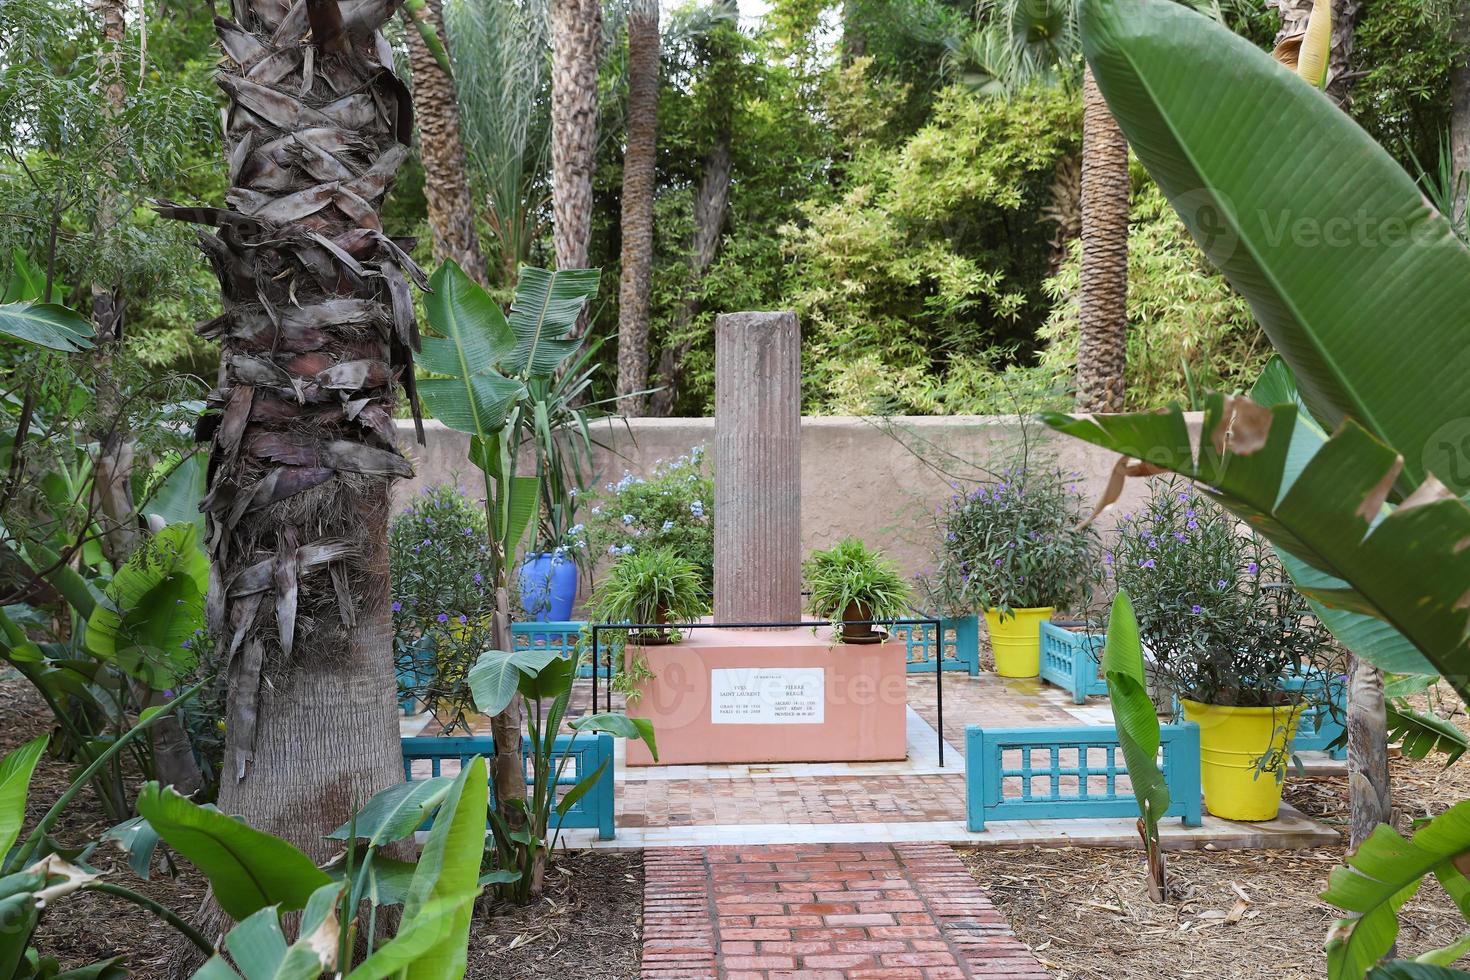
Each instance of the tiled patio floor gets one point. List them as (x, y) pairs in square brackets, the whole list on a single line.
[(911, 800)]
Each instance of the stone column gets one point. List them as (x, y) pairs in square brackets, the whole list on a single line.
[(757, 462)]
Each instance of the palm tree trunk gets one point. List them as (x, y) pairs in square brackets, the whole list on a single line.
[(1102, 346), (1460, 105), (446, 186), (637, 224), (1369, 798), (576, 36), (318, 327), (711, 203)]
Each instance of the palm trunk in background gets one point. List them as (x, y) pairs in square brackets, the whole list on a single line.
[(637, 224), (711, 203), (317, 329), (1460, 105), (576, 37), (446, 186), (1103, 294), (1369, 794)]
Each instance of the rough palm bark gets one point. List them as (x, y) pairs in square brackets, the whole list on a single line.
[(637, 224), (1460, 104), (576, 37), (711, 204), (1367, 742), (317, 329), (1064, 208), (1103, 296), (446, 186)]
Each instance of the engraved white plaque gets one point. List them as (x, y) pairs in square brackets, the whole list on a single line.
[(768, 696)]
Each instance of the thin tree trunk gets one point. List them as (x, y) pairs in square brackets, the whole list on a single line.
[(637, 224), (1367, 742), (1340, 75), (576, 36), (318, 327), (711, 203), (1460, 106), (446, 186), (1102, 346)]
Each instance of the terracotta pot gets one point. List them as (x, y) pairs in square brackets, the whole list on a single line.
[(859, 632)]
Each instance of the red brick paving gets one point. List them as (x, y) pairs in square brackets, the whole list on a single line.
[(823, 912)]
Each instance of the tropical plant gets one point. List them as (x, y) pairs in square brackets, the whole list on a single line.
[(513, 384), (317, 333), (26, 316), (1343, 510), (649, 586), (673, 507), (1014, 541), (1138, 733), (544, 679), (1221, 621), (850, 581)]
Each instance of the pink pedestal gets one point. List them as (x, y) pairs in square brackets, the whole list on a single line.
[(732, 696)]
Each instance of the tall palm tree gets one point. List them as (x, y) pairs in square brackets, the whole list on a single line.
[(576, 41), (1103, 296), (637, 225), (317, 330), (446, 184)]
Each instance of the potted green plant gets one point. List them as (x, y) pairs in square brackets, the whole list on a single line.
[(855, 585), (1225, 630), (650, 586), (1015, 546)]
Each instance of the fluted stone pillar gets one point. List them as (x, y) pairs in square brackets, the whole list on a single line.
[(757, 468)]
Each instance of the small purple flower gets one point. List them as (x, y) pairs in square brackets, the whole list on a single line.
[(1253, 568), (463, 619), (1193, 525), (1179, 536), (1107, 557), (397, 606), (1196, 609), (187, 644), (479, 579), (442, 617), (1221, 584), (1148, 563), (998, 562), (425, 541)]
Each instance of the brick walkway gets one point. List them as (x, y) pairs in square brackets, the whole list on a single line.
[(823, 912)]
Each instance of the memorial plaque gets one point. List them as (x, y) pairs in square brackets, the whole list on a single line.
[(768, 696)]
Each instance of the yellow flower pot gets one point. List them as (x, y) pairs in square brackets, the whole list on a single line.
[(1016, 640), (1232, 741)]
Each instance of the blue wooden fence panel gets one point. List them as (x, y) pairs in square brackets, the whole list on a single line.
[(1069, 660), (959, 640), (1073, 772), (1322, 719), (594, 810), (567, 638)]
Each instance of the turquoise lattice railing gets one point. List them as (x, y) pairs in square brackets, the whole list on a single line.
[(1076, 772), (566, 638), (425, 755), (1322, 719), (1069, 660), (959, 640)]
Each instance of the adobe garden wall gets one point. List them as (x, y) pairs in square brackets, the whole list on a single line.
[(857, 476)]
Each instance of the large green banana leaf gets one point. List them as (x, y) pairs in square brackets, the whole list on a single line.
[(474, 397), (543, 315), (47, 325), (1322, 501), (1360, 284)]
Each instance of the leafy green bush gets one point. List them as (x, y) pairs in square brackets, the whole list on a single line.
[(850, 579), (1216, 610), (1014, 542), (654, 585), (1187, 329), (672, 509)]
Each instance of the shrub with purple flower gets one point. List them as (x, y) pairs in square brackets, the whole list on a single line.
[(1013, 542), (439, 560), (1217, 613), (670, 508)]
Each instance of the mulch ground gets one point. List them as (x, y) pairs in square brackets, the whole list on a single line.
[(1235, 914), (587, 925)]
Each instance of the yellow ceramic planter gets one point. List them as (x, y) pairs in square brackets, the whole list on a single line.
[(1016, 640), (1232, 740)]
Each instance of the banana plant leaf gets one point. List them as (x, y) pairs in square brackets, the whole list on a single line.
[(1322, 501), (543, 316), (259, 948), (496, 676), (1410, 970), (248, 869), (396, 812), (475, 397), (48, 325), (15, 783), (1420, 733), (1312, 221), (1380, 876), (449, 875)]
